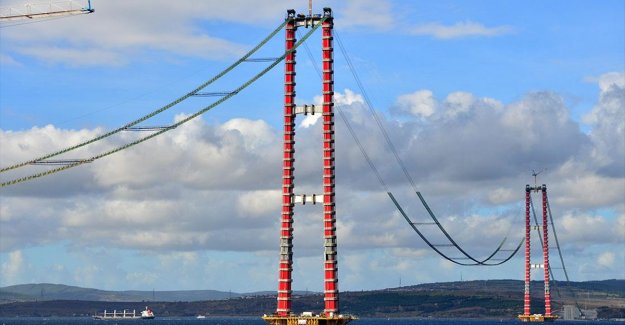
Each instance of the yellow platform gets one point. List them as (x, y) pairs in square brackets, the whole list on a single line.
[(537, 318), (308, 319)]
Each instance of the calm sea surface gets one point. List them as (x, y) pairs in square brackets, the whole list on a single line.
[(258, 321)]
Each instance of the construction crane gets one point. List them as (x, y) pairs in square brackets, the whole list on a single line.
[(45, 10)]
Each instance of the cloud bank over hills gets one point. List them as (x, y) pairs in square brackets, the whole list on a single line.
[(215, 187)]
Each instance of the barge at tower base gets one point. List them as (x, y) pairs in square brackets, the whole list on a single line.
[(307, 318), (538, 318)]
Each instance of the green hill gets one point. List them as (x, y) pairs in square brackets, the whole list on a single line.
[(473, 299), (47, 291)]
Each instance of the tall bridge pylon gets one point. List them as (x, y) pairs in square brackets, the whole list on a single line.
[(284, 314), (527, 316)]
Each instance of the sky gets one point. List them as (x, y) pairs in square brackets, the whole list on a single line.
[(474, 96)]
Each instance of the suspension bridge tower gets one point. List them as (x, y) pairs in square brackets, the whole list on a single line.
[(527, 316), (284, 314)]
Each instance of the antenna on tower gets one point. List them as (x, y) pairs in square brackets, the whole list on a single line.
[(534, 173), (309, 8)]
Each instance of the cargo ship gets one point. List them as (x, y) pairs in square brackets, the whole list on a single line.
[(125, 314)]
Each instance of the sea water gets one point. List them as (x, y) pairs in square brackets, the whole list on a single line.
[(258, 321)]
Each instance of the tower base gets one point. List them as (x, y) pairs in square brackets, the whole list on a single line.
[(537, 318), (308, 319)]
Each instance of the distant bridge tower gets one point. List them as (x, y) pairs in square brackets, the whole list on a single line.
[(330, 314), (527, 316)]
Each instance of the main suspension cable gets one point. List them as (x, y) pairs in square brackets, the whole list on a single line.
[(408, 176), (451, 240), (373, 113), (156, 112), (349, 126), (454, 260), (389, 193), (185, 120)]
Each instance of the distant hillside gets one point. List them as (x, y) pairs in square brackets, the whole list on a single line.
[(586, 288), (469, 299), (47, 291)]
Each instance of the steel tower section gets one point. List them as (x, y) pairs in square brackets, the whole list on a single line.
[(546, 253), (526, 299), (331, 293), (288, 168)]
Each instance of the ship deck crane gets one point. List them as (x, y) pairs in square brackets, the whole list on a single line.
[(45, 10)]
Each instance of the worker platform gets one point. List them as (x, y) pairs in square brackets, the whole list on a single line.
[(307, 318), (537, 318)]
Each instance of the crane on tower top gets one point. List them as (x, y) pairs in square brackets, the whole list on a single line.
[(45, 10)]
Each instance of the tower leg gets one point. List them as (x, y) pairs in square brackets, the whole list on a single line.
[(546, 253), (526, 299), (331, 293), (286, 228)]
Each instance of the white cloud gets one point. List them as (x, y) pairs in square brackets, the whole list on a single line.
[(458, 103), (120, 32), (259, 203), (12, 267), (73, 56), (608, 125), (410, 252), (421, 103), (347, 97), (576, 229), (192, 188), (608, 80), (620, 226), (502, 195), (178, 259), (376, 14), (8, 60), (581, 187), (19, 146), (606, 260), (459, 30), (256, 134), (233, 169)]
